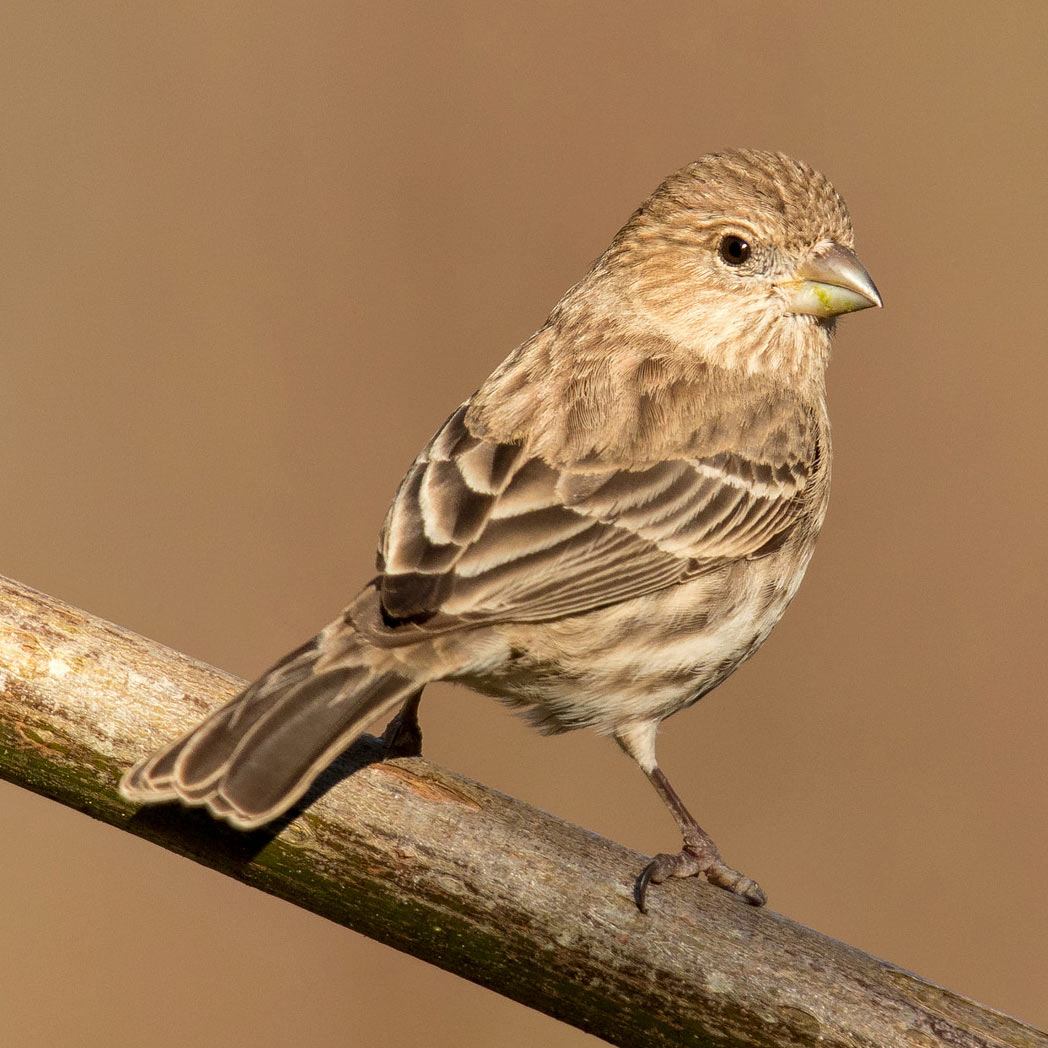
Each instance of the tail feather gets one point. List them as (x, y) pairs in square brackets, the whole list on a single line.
[(221, 745), (257, 755)]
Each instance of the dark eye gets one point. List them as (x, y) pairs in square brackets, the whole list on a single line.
[(734, 250)]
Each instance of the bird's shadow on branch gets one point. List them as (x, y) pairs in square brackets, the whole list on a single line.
[(197, 834)]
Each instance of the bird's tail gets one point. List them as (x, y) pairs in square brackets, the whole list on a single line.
[(257, 755)]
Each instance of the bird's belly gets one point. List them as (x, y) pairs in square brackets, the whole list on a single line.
[(639, 660)]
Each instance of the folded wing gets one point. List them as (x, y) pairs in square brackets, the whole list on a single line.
[(485, 532)]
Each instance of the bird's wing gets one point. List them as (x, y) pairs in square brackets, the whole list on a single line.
[(483, 532)]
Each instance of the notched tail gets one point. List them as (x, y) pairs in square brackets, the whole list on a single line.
[(257, 755)]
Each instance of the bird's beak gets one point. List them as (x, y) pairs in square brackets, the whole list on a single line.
[(831, 282)]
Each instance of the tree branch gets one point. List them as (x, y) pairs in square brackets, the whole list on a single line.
[(459, 875)]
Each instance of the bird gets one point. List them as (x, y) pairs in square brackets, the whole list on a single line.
[(606, 529)]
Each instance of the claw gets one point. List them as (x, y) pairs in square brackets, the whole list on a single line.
[(640, 889)]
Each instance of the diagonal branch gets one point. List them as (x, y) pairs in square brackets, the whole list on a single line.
[(454, 873)]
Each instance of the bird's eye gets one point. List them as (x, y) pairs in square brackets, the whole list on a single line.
[(734, 250)]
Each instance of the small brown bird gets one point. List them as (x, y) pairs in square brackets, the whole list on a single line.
[(607, 528)]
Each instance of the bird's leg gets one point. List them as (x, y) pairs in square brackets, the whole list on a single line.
[(403, 734), (699, 855)]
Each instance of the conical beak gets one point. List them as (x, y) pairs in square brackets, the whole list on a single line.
[(829, 283)]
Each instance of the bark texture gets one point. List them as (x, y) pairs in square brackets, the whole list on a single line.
[(459, 875)]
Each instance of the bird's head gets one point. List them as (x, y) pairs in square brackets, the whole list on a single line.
[(746, 256)]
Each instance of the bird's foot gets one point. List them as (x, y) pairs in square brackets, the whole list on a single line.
[(698, 857), (403, 734)]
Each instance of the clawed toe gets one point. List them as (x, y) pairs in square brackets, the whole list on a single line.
[(692, 862), (683, 864), (731, 880)]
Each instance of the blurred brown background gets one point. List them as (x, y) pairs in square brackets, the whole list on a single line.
[(250, 257)]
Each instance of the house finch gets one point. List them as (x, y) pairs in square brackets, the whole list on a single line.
[(607, 528)]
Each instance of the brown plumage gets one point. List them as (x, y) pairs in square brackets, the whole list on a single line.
[(608, 527)]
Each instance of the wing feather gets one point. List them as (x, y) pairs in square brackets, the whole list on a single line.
[(481, 531)]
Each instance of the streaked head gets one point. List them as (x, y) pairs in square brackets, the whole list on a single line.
[(743, 238)]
